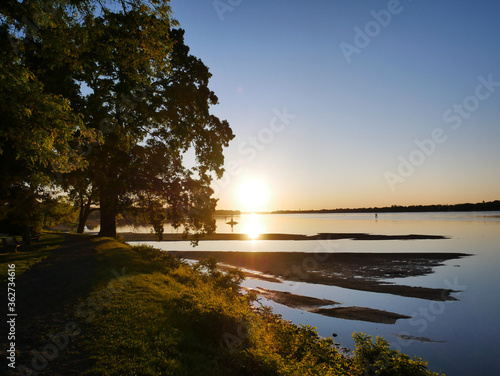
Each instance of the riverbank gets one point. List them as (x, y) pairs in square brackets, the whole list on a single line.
[(76, 309)]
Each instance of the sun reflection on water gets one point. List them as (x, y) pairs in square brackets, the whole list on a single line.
[(252, 226)]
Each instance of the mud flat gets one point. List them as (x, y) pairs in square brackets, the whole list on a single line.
[(292, 300), (358, 271), (129, 236), (362, 314), (316, 305)]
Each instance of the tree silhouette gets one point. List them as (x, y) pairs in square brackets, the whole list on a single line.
[(151, 102), (38, 124), (104, 99)]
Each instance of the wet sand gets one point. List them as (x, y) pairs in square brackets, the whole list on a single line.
[(316, 305), (306, 303), (252, 275), (358, 271), (362, 314), (129, 236)]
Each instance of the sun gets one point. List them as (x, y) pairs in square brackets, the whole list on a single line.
[(253, 195)]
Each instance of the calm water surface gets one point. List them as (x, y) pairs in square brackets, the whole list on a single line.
[(466, 332)]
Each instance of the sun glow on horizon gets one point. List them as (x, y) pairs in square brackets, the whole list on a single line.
[(253, 195)]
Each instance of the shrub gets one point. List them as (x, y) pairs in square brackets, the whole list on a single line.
[(376, 358)]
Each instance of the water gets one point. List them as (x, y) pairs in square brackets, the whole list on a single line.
[(466, 332)]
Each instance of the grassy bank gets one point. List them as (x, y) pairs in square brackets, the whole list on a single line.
[(26, 258), (150, 313), (166, 317)]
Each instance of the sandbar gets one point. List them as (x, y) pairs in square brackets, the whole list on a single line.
[(292, 300), (362, 314), (359, 271), (315, 305), (129, 236)]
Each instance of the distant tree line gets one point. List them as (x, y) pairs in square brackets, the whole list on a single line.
[(481, 206), (221, 212)]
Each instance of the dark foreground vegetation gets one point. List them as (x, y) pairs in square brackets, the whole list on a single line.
[(140, 311)]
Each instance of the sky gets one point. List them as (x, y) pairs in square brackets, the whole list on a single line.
[(349, 103)]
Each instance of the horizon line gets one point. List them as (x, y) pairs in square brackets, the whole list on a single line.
[(495, 203)]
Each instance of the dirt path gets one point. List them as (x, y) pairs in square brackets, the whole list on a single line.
[(46, 296)]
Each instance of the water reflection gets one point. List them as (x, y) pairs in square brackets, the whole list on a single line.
[(252, 226)]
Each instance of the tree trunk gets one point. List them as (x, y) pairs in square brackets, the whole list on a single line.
[(82, 218), (27, 236), (109, 202)]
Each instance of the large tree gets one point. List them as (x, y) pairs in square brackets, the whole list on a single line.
[(38, 124), (156, 114), (149, 100), (108, 91)]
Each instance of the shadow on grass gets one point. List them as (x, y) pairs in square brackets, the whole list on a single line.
[(25, 258)]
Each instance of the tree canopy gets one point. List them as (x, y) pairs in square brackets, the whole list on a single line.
[(103, 99)]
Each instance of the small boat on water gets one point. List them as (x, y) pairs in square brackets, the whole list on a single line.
[(232, 223)]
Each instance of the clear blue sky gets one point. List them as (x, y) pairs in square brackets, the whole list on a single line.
[(357, 84)]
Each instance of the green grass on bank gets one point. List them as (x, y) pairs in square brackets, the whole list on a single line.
[(164, 317), (152, 314), (24, 259)]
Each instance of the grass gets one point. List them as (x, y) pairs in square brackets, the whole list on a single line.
[(150, 313), (25, 259), (165, 317)]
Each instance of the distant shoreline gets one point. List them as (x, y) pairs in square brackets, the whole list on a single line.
[(467, 207), (435, 208)]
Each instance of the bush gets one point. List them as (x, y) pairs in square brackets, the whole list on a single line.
[(228, 280), (167, 260), (376, 358)]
